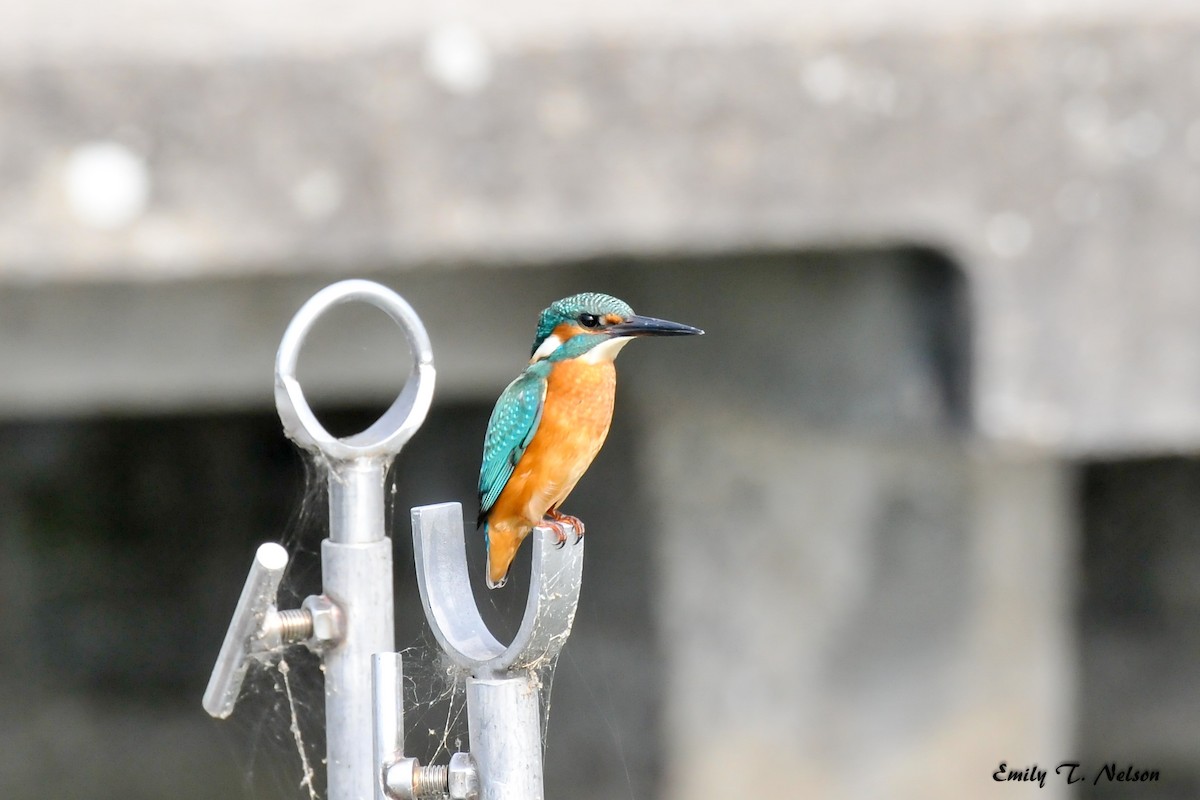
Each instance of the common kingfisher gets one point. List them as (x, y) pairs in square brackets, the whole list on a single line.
[(551, 421)]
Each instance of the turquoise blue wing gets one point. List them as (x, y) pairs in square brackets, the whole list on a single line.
[(510, 430)]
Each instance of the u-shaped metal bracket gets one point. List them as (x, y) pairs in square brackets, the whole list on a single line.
[(440, 552)]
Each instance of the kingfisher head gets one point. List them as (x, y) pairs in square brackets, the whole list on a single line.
[(595, 326)]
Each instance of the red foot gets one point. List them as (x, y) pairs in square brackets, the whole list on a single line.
[(559, 521)]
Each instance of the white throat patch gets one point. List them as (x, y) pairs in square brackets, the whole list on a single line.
[(605, 351)]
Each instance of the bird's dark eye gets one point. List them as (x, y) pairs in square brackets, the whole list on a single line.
[(589, 321)]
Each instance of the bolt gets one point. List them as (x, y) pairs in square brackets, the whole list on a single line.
[(295, 625), (408, 780), (429, 782), (281, 628)]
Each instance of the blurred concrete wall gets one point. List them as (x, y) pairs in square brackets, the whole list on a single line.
[(858, 526), (1057, 166)]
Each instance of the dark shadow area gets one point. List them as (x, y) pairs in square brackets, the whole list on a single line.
[(867, 341), (1139, 620), (126, 544)]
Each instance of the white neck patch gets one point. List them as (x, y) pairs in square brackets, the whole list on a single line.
[(606, 351), (547, 347)]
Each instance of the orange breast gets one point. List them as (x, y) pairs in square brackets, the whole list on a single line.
[(575, 421)]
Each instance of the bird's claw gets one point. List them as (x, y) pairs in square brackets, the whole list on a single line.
[(558, 523), (578, 524), (560, 535)]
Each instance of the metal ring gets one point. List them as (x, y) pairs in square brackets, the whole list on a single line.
[(396, 426)]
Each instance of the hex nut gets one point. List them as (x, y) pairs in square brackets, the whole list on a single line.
[(463, 778), (326, 618)]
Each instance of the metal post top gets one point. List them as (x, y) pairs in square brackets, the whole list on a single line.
[(387, 435), (439, 551)]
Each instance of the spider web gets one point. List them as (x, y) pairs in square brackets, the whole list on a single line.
[(279, 722)]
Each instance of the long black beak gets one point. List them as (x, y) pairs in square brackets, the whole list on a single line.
[(638, 325)]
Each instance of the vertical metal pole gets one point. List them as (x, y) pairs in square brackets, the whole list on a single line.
[(356, 563), (506, 743), (387, 678), (356, 499)]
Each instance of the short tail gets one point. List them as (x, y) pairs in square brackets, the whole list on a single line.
[(502, 547)]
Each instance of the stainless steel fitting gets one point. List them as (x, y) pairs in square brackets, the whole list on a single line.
[(408, 780)]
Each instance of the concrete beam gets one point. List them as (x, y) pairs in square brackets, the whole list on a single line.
[(1061, 169)]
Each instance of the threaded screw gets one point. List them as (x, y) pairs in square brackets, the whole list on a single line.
[(295, 625), (431, 782), (408, 780)]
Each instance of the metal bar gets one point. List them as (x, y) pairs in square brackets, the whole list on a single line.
[(358, 579), (504, 725), (258, 595), (387, 679), (356, 500)]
